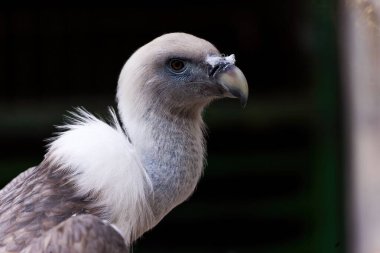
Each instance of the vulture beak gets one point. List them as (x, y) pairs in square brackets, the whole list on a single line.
[(231, 78)]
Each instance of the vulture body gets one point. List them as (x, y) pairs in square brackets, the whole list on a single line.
[(101, 186)]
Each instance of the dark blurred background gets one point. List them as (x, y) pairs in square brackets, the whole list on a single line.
[(273, 182)]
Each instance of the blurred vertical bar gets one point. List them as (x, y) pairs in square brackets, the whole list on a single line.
[(327, 154), (361, 57)]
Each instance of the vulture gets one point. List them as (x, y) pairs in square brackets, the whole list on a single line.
[(102, 184)]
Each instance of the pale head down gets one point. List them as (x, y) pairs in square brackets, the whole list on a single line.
[(181, 73)]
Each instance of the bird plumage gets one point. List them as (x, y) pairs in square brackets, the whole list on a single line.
[(79, 234), (101, 160), (129, 173), (36, 201)]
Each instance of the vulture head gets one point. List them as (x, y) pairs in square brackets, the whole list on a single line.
[(179, 74)]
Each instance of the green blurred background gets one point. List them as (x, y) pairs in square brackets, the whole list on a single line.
[(274, 178)]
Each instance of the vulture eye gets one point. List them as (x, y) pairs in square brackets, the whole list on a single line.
[(177, 65)]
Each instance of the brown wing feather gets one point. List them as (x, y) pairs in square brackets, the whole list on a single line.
[(36, 201), (79, 234)]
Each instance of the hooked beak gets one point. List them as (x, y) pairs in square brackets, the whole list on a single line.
[(232, 80)]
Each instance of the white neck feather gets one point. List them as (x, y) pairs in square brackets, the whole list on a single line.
[(103, 161)]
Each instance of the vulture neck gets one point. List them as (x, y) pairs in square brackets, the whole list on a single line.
[(171, 148)]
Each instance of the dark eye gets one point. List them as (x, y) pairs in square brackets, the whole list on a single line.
[(177, 65)]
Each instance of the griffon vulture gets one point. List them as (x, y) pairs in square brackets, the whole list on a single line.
[(101, 186)]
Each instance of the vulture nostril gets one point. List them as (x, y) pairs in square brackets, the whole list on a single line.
[(218, 68), (214, 70)]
